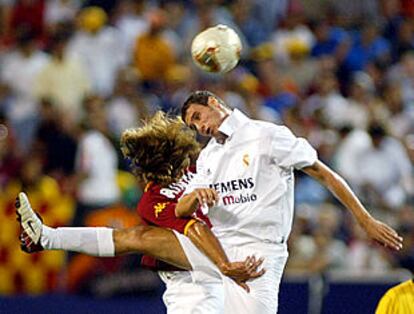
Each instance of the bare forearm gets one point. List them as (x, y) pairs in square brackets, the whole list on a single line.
[(186, 206), (204, 239), (189, 203), (375, 229), (339, 188)]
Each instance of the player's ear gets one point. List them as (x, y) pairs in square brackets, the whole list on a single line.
[(214, 103)]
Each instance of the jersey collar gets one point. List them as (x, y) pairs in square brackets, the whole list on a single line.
[(233, 122)]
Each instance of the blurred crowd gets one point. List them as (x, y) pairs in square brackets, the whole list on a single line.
[(74, 74)]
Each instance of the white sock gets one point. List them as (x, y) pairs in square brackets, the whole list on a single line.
[(91, 241)]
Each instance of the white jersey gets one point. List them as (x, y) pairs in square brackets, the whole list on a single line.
[(253, 174)]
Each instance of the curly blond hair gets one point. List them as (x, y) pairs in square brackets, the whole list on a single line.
[(161, 150)]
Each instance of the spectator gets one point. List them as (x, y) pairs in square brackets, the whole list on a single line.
[(60, 11), (277, 91), (317, 253), (127, 106), (368, 46), (28, 14), (131, 22), (361, 99), (403, 73), (19, 72), (301, 69), (329, 40), (94, 45), (404, 41), (63, 80), (354, 12), (249, 24), (391, 186), (292, 31), (56, 142), (354, 143), (328, 100), (96, 163), (401, 119), (153, 54)]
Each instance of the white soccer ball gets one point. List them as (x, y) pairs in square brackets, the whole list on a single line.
[(216, 49)]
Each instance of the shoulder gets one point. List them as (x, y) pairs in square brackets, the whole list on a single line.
[(269, 129), (152, 192), (151, 195), (94, 138)]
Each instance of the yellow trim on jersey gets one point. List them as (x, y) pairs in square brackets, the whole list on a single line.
[(188, 225), (147, 186)]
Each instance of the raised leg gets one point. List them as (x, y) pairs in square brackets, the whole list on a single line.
[(157, 242)]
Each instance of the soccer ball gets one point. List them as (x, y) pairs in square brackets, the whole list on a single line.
[(216, 49)]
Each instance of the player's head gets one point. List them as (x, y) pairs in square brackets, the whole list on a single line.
[(160, 150), (204, 112)]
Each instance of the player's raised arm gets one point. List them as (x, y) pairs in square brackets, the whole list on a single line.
[(336, 184)]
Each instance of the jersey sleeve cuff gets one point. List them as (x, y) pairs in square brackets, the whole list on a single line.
[(188, 225)]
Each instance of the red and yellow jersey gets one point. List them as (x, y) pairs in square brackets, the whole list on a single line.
[(157, 208)]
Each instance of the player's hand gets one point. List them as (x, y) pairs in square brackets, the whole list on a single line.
[(382, 233), (241, 272), (206, 196)]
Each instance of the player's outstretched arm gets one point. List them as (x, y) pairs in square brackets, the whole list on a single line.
[(375, 229)]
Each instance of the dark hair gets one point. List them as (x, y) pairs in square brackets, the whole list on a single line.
[(200, 97), (25, 36), (377, 130)]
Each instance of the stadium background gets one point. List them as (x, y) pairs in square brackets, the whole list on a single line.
[(74, 74)]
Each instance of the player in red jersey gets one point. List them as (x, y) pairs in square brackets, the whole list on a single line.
[(157, 208), (159, 153)]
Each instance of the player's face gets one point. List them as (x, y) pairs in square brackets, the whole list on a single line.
[(206, 120)]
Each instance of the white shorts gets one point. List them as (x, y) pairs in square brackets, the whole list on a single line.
[(184, 296), (200, 291), (264, 291), (263, 296)]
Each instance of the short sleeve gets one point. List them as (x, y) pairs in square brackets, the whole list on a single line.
[(199, 181), (162, 214), (200, 178), (289, 151)]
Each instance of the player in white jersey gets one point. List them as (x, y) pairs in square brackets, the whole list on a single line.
[(250, 164)]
